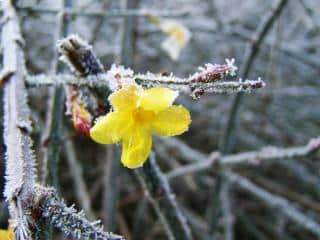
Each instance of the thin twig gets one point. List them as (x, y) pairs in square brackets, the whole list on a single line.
[(252, 50), (279, 203), (108, 14), (52, 136), (163, 200), (76, 172), (202, 162), (311, 13), (102, 80)]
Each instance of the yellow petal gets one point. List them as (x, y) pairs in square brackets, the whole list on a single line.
[(126, 98), (173, 121), (110, 128), (6, 234), (136, 147), (157, 99)]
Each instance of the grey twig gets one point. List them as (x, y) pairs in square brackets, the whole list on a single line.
[(252, 50), (111, 13), (202, 162), (53, 133), (312, 13), (184, 86), (279, 203), (78, 181), (163, 200)]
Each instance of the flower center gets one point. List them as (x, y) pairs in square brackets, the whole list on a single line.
[(142, 116)]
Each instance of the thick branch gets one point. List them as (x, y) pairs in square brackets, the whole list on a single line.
[(20, 172), (68, 220)]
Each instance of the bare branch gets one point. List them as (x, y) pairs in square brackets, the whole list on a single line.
[(203, 162), (252, 50), (279, 203), (163, 200), (20, 171), (68, 220), (109, 13)]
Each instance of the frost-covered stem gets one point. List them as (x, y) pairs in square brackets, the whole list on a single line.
[(276, 202), (101, 80), (69, 221), (163, 200), (109, 14), (76, 172), (20, 161), (202, 162), (252, 50)]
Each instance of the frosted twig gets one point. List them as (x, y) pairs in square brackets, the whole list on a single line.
[(252, 50), (148, 80), (251, 157), (163, 200), (202, 162), (279, 203), (69, 221), (110, 13), (20, 159)]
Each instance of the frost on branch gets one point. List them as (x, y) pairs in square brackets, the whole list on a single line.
[(71, 222), (210, 78)]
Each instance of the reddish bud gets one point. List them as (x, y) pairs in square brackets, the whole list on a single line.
[(81, 118)]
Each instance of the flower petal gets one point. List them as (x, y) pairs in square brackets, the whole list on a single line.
[(178, 37), (173, 121), (172, 48), (136, 147), (126, 98), (158, 98), (7, 234), (110, 128)]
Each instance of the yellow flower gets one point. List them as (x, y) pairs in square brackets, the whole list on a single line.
[(178, 37), (6, 234), (137, 114)]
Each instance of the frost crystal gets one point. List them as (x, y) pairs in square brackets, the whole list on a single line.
[(231, 67), (119, 77), (214, 72)]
